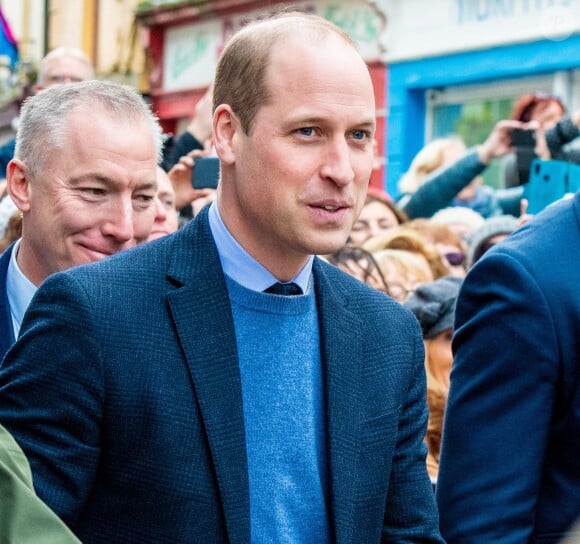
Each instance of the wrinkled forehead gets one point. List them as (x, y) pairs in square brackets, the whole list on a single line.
[(66, 67)]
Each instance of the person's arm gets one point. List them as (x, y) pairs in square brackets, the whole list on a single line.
[(24, 518), (565, 131), (182, 145), (499, 407), (442, 187), (51, 395), (410, 511), (180, 176)]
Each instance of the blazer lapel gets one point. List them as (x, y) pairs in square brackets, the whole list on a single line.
[(202, 315), (342, 359), (6, 329)]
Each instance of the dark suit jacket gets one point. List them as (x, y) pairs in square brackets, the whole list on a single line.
[(510, 463), (6, 329), (124, 391)]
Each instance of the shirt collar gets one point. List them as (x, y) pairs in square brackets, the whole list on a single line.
[(20, 290), (239, 265)]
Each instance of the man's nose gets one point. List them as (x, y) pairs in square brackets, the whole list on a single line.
[(337, 164), (119, 223), (374, 228), (160, 210)]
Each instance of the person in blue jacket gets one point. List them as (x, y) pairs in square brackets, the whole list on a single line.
[(509, 470)]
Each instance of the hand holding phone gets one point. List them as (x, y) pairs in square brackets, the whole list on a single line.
[(521, 137), (205, 173), (524, 140)]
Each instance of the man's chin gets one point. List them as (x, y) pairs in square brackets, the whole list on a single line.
[(89, 256), (326, 246)]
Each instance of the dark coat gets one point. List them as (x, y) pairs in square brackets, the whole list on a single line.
[(124, 392), (510, 470), (6, 328)]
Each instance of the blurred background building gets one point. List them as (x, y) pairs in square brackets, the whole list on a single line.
[(439, 66)]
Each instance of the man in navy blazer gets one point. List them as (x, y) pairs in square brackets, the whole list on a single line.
[(171, 394), (6, 329), (83, 194), (510, 470)]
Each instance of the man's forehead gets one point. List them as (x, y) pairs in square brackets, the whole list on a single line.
[(66, 65)]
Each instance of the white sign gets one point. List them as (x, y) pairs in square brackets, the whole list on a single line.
[(191, 51), (423, 28)]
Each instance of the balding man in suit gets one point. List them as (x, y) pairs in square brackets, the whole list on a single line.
[(223, 384)]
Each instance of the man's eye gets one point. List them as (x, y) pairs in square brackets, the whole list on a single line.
[(94, 191), (360, 134), (306, 131)]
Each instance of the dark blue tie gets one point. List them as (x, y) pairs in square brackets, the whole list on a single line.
[(284, 289)]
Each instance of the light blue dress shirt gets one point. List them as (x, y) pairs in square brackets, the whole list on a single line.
[(239, 265), (19, 289)]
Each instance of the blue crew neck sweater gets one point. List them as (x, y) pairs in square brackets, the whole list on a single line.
[(282, 392)]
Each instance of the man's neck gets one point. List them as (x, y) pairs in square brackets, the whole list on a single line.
[(25, 261), (282, 264)]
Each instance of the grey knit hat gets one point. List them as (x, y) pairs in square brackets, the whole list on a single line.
[(433, 304), (499, 224)]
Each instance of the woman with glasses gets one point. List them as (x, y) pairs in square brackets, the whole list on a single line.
[(448, 243)]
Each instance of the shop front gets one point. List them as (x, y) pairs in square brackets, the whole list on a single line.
[(183, 43)]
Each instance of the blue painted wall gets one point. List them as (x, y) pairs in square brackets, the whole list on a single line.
[(408, 81)]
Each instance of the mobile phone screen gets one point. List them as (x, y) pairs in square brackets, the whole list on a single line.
[(205, 173), (547, 184), (523, 138)]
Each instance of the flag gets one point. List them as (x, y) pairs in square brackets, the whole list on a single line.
[(8, 44)]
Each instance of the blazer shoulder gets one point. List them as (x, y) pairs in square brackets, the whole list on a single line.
[(363, 300)]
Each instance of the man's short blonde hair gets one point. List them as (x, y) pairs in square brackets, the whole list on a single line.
[(240, 79)]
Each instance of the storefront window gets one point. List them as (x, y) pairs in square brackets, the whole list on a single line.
[(471, 111)]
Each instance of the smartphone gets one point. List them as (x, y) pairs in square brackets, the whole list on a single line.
[(521, 137), (548, 183), (205, 173), (573, 178), (524, 141)]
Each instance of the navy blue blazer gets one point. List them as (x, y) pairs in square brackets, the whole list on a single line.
[(510, 461), (124, 392), (6, 328)]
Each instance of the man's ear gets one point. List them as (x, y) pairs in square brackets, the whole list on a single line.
[(18, 184), (226, 128)]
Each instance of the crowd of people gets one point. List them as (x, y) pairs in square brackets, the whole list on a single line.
[(222, 365)]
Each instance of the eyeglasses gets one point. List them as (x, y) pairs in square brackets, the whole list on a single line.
[(455, 258), (360, 263)]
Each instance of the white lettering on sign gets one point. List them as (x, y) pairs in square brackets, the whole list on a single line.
[(470, 11), (191, 51), (423, 28)]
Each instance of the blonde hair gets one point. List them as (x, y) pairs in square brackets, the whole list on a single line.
[(453, 215), (13, 230), (429, 159), (406, 265), (436, 233), (410, 240)]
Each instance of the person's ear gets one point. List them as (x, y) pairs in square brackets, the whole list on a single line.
[(226, 128), (18, 184)]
